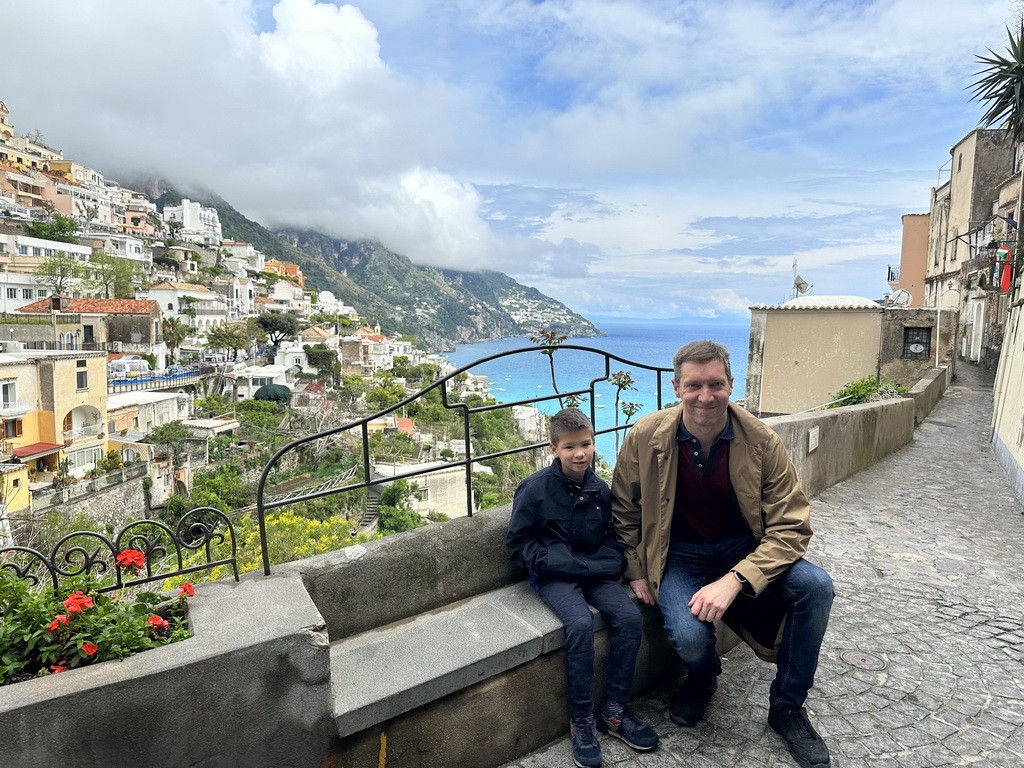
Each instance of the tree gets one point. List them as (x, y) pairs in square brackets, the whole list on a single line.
[(325, 361), (227, 337), (171, 437), (175, 333), (62, 229), (109, 277), (59, 273), (396, 513), (174, 226), (1000, 86), (278, 327)]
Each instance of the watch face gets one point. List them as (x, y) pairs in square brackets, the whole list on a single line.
[(917, 348)]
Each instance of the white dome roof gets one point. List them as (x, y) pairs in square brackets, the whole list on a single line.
[(846, 302)]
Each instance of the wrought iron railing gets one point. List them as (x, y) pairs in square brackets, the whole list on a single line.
[(590, 376), (205, 530)]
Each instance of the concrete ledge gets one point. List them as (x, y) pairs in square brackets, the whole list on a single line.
[(846, 439), (387, 671), (929, 390), (251, 688)]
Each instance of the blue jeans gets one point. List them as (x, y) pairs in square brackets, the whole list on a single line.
[(569, 601), (804, 592)]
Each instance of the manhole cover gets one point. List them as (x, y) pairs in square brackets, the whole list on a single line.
[(863, 660)]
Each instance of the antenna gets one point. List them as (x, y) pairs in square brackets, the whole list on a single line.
[(800, 286), (902, 297)]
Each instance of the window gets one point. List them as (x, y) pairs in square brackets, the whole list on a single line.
[(26, 293), (82, 380), (12, 293), (917, 343), (37, 251), (12, 428), (23, 250), (9, 391)]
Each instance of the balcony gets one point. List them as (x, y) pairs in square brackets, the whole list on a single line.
[(89, 432), (13, 409), (894, 273)]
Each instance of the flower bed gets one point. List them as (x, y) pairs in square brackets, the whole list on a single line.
[(44, 632)]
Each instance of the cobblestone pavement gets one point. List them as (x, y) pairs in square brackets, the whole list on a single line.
[(925, 551)]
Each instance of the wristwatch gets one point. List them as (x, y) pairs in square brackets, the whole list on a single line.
[(739, 578)]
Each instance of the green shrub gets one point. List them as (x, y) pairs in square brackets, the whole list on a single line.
[(867, 390)]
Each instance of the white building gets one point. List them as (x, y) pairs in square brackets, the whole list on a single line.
[(241, 257), (180, 300), (327, 304), (246, 380), (199, 223)]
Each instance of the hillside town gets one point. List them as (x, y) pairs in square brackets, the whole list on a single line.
[(119, 318)]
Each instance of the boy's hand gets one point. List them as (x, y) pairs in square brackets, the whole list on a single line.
[(642, 591)]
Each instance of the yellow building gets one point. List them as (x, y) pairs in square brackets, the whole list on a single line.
[(53, 411)]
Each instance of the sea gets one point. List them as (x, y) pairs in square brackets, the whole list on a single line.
[(526, 376)]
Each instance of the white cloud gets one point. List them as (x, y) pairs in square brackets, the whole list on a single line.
[(622, 156)]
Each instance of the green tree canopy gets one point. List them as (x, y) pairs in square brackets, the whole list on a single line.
[(227, 337), (325, 361), (60, 273), (175, 333), (278, 327), (1000, 86), (62, 229), (109, 277)]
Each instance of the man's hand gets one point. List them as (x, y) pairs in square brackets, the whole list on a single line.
[(642, 591), (711, 601)]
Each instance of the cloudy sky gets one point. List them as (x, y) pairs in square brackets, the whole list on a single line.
[(638, 158)]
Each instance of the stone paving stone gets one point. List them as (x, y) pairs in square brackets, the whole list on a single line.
[(924, 549)]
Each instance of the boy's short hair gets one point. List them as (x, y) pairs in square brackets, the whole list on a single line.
[(704, 351), (568, 420)]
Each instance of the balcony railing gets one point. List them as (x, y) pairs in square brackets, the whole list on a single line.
[(88, 432), (13, 409), (894, 273), (594, 371)]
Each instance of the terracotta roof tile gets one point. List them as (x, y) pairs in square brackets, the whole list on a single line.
[(96, 306)]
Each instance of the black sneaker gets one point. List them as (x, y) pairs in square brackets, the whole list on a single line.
[(689, 702), (586, 750), (805, 745), (631, 729)]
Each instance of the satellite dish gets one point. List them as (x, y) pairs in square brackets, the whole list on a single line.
[(901, 298), (800, 285)]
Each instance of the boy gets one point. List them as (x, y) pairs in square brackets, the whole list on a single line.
[(561, 532)]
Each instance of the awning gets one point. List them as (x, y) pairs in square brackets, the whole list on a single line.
[(36, 450)]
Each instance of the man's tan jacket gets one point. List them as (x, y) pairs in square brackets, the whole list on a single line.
[(763, 477)]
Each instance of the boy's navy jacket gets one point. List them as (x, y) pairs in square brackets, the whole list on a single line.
[(563, 536)]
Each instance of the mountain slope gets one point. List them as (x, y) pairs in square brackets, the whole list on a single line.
[(440, 308), (442, 303)]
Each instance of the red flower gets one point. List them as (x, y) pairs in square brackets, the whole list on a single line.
[(131, 559), (89, 649), (55, 668), (188, 590), (58, 620), (77, 602), (157, 622)]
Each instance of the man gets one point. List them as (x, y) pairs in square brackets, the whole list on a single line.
[(710, 512)]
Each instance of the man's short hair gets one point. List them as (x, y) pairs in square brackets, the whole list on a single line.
[(568, 420), (704, 351)]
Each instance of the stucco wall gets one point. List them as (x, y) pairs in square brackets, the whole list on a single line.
[(1008, 419), (808, 355), (907, 371)]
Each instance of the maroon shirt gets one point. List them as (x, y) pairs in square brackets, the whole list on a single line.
[(706, 508)]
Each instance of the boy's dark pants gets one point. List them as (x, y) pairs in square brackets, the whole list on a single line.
[(569, 600)]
